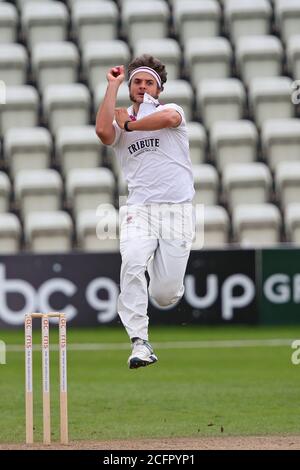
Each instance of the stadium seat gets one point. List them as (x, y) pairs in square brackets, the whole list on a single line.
[(5, 189), (10, 234), (207, 58), (270, 98), (181, 93), (198, 142), (256, 225), (44, 22), (247, 18), (78, 147), (292, 223), (21, 108), (206, 184), (88, 188), (55, 63), (66, 104), (233, 142), (281, 141), (220, 100), (48, 232), (196, 19), (38, 190), (8, 23), (100, 56), (13, 64), (167, 50), (98, 232), (21, 3), (143, 20), (293, 56), (123, 99), (216, 226), (29, 148), (287, 17), (94, 21), (287, 182), (258, 56), (246, 183), (211, 228)]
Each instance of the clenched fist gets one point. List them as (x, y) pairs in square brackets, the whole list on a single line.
[(121, 116), (116, 74)]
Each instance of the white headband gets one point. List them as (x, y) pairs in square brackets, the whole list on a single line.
[(148, 70)]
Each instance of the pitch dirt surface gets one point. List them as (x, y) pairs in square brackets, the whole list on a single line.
[(211, 443)]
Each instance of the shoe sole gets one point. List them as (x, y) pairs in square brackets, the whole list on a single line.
[(136, 362)]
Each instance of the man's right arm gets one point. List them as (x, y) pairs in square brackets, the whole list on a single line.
[(105, 116)]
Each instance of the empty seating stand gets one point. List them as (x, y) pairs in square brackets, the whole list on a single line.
[(93, 20), (213, 230), (231, 65), (293, 56), (38, 190), (5, 190), (100, 56), (256, 225), (247, 18), (8, 23), (281, 141), (48, 232), (287, 17), (259, 56), (233, 142), (292, 223), (10, 233), (220, 100), (206, 184), (246, 183), (29, 148), (146, 19), (196, 19), (66, 104), (88, 188), (21, 108), (270, 98), (78, 147), (198, 142), (55, 63), (287, 181), (208, 58), (98, 232), (13, 63), (44, 22)]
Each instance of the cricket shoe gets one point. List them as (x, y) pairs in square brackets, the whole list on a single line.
[(142, 354)]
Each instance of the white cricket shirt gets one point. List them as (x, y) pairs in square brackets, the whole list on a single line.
[(156, 164)]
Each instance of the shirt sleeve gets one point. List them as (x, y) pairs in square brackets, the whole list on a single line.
[(179, 110), (118, 132)]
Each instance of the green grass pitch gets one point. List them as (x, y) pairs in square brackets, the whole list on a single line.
[(191, 391)]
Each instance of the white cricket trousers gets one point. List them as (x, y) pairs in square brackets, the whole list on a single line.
[(156, 238)]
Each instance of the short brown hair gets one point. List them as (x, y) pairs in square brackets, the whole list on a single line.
[(147, 60)]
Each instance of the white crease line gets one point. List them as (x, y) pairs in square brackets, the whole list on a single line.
[(246, 343)]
